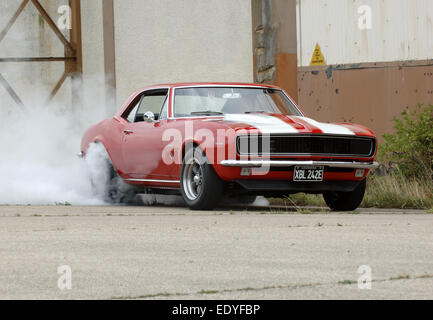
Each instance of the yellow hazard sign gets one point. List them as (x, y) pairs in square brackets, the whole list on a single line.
[(317, 59)]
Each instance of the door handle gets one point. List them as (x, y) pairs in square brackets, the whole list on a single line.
[(126, 132)]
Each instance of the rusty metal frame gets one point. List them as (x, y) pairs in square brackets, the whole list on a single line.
[(109, 53), (73, 50)]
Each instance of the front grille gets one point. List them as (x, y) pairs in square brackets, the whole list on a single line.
[(316, 145)]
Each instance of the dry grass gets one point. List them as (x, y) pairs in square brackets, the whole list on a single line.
[(395, 191), (299, 200), (392, 191)]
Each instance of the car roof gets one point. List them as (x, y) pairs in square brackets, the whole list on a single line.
[(201, 84)]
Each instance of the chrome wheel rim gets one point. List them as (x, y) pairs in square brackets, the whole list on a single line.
[(193, 179)]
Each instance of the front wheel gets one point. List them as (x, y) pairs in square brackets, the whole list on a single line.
[(345, 201), (200, 186)]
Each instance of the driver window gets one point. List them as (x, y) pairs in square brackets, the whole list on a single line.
[(131, 116), (152, 102)]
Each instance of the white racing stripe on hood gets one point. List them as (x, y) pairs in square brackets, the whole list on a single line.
[(328, 128), (265, 123)]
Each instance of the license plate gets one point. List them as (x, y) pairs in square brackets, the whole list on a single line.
[(308, 174)]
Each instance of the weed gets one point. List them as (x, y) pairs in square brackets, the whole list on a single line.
[(66, 203), (400, 277)]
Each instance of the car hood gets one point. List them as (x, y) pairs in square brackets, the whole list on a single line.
[(267, 123)]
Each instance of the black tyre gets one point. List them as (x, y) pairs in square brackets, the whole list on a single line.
[(106, 184), (345, 201), (117, 191), (200, 186)]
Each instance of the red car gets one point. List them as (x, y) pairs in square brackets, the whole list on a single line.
[(209, 140)]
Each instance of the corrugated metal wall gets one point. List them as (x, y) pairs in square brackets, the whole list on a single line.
[(401, 30)]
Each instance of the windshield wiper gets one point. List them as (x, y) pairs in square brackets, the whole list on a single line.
[(260, 111), (206, 113)]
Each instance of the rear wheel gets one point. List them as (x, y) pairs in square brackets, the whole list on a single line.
[(200, 186), (345, 201), (117, 191), (106, 184)]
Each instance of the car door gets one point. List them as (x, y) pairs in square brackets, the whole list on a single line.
[(142, 141)]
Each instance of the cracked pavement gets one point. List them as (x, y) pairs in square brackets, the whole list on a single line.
[(158, 252)]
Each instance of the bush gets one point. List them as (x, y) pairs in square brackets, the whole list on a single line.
[(411, 146)]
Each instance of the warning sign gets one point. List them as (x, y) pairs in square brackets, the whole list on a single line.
[(317, 59)]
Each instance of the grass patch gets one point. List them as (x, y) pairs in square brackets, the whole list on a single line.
[(398, 192), (347, 282), (66, 203), (304, 211), (299, 200), (400, 277), (208, 291)]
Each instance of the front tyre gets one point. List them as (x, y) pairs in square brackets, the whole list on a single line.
[(346, 201), (200, 186)]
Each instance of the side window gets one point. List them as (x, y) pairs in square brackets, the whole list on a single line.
[(152, 102), (133, 112), (164, 111)]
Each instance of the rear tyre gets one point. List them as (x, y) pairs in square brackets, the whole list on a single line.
[(345, 201), (106, 184), (200, 186), (117, 191)]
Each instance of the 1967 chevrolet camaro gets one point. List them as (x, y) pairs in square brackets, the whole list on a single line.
[(212, 140)]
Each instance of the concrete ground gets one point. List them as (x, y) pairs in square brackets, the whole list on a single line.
[(118, 252)]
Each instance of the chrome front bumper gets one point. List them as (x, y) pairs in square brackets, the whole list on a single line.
[(289, 163)]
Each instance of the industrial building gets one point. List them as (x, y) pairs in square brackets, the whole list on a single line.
[(360, 61)]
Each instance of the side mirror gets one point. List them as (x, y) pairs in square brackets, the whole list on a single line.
[(149, 116)]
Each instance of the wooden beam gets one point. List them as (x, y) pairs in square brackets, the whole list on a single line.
[(109, 54), (53, 26), (13, 19), (11, 91), (57, 87), (75, 34), (37, 59), (75, 68)]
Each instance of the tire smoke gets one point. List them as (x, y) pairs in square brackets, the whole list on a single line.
[(38, 162)]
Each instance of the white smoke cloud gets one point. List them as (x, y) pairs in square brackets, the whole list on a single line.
[(38, 147), (38, 165), (38, 144)]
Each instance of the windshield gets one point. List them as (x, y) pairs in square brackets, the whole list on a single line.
[(208, 101)]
